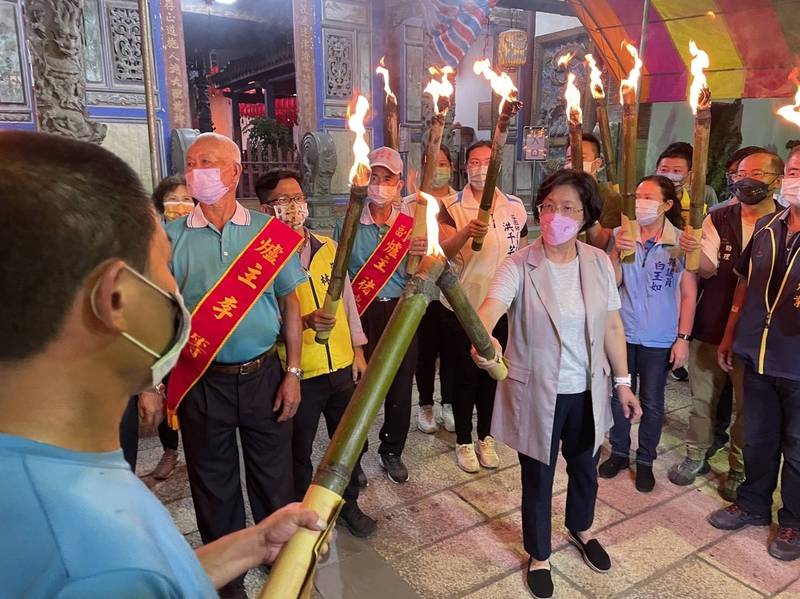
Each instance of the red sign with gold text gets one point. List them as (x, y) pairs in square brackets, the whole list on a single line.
[(217, 315), (380, 266)]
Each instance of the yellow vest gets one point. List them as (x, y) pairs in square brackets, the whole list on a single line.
[(320, 359)]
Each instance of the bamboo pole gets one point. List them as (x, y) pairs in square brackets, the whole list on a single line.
[(471, 323), (333, 296), (391, 126), (294, 569), (149, 89), (601, 108), (702, 131), (575, 143), (509, 109), (630, 125)]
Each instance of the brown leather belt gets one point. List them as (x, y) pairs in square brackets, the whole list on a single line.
[(245, 368)]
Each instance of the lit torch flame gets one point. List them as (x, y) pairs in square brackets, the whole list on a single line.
[(595, 76), (792, 112), (440, 89), (632, 82), (572, 94), (699, 94), (501, 84), (384, 72), (431, 210), (359, 172)]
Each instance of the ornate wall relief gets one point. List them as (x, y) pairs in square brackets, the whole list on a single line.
[(338, 65), (12, 83), (93, 42), (126, 47)]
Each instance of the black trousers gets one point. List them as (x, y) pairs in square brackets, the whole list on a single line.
[(324, 395), (473, 389), (211, 413), (771, 429), (573, 428), (397, 406), (129, 432), (433, 343)]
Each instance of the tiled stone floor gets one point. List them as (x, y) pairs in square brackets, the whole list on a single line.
[(450, 534)]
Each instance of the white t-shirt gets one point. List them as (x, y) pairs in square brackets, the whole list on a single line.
[(574, 373), (710, 242)]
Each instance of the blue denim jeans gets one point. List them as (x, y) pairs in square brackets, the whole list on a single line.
[(648, 367)]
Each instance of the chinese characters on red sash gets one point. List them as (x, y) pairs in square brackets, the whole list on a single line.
[(217, 315), (380, 266)]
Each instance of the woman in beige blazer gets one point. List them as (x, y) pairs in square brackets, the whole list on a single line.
[(564, 328)]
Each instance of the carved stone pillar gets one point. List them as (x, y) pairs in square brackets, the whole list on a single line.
[(305, 67), (55, 37)]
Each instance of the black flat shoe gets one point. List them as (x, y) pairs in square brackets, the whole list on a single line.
[(645, 481), (593, 553), (613, 466), (540, 582)]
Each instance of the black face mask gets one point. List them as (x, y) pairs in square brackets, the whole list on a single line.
[(750, 191)]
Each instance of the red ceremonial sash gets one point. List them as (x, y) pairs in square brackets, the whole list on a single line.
[(380, 266), (217, 315)]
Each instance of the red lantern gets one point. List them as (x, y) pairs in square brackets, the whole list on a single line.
[(286, 111)]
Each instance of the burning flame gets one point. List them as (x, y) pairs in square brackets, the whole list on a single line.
[(384, 72), (792, 112), (699, 94), (595, 75), (571, 94), (432, 225), (440, 89), (359, 172), (632, 82), (565, 59), (501, 84)]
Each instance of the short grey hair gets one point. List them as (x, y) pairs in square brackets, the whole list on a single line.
[(226, 142)]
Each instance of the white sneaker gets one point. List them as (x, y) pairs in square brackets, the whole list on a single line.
[(427, 423), (445, 417), (466, 458), (486, 452)]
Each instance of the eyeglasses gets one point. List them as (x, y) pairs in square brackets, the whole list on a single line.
[(752, 175), (284, 200), (552, 208)]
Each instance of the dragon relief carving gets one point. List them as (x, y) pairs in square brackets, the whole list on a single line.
[(319, 163)]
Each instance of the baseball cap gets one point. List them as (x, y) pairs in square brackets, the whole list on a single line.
[(386, 157)]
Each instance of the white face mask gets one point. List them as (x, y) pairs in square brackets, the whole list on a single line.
[(164, 362), (677, 180), (381, 194), (790, 192), (647, 211), (205, 185), (293, 214), (588, 166), (477, 176)]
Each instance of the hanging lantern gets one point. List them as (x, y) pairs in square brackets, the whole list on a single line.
[(512, 48)]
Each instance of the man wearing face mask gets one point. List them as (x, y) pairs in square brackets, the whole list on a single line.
[(244, 388), (330, 370), (506, 232), (378, 271), (76, 522), (432, 337), (675, 163), (599, 234), (726, 232), (763, 332)]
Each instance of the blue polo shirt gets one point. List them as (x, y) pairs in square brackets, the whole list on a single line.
[(79, 525), (368, 236), (650, 291), (201, 254)]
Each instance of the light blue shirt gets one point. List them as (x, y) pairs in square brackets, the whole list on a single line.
[(201, 254), (78, 525), (368, 236), (650, 291)]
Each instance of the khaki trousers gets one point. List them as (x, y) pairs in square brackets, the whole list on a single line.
[(706, 380)]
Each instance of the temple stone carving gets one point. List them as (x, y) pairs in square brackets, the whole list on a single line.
[(57, 59), (319, 163)]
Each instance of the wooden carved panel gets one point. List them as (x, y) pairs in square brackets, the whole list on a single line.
[(338, 65), (126, 47)]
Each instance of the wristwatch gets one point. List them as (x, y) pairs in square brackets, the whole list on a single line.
[(685, 337), (298, 372)]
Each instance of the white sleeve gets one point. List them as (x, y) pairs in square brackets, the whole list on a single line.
[(614, 302), (505, 285), (709, 244)]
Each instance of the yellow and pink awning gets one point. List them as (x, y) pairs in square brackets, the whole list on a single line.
[(752, 44)]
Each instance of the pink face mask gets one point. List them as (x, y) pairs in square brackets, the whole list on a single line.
[(558, 229), (205, 185)]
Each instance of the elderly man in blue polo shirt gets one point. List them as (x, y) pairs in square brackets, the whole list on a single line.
[(763, 331), (245, 388)]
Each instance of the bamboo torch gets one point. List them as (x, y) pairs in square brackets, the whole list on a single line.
[(630, 125), (440, 91), (601, 109), (359, 179), (391, 127), (791, 112), (509, 106), (572, 96), (700, 99), (293, 571)]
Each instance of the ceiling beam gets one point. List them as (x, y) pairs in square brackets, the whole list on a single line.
[(555, 7)]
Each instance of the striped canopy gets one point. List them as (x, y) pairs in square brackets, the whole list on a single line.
[(752, 44)]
